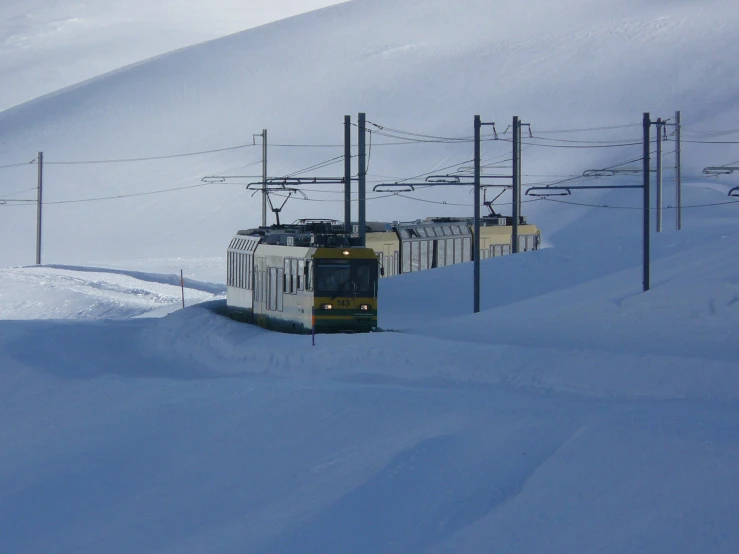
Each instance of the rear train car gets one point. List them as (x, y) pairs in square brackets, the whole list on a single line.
[(406, 247)]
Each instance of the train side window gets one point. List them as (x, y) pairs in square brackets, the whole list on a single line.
[(441, 253), (294, 277), (279, 294), (423, 259), (300, 275), (457, 251), (415, 256), (249, 271), (244, 272), (273, 288), (286, 275), (309, 275)]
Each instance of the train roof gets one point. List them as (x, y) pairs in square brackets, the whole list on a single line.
[(318, 233)]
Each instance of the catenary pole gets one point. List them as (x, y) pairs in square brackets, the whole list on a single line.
[(520, 174), (40, 161), (645, 170), (659, 175), (678, 176), (264, 177), (516, 182), (476, 240), (362, 174), (347, 174)]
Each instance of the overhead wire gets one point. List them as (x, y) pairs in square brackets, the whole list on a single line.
[(149, 158), (636, 207)]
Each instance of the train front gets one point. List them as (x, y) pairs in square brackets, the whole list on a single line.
[(345, 290)]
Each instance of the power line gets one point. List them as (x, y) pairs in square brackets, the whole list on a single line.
[(400, 131), (19, 164), (710, 133), (589, 129), (127, 195), (614, 141), (619, 145), (434, 171), (330, 201), (319, 165), (712, 141), (444, 203), (634, 208), (150, 158), (19, 192)]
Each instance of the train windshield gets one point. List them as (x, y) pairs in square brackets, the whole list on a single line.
[(350, 278)]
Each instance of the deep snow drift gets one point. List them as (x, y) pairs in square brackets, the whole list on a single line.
[(564, 417)]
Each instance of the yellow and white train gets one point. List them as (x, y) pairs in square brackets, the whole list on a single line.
[(309, 277), (302, 278)]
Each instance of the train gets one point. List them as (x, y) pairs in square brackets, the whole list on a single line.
[(302, 278), (312, 276)]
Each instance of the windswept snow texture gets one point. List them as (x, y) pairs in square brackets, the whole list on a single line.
[(574, 413), (582, 416)]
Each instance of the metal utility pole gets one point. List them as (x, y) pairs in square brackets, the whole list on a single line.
[(40, 160), (520, 172), (659, 175), (347, 174), (646, 123), (362, 174), (263, 134), (678, 177), (476, 247), (264, 177), (516, 182)]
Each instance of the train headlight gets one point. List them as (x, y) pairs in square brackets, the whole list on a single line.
[(364, 307), (327, 306)]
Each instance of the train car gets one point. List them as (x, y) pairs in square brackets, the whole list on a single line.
[(405, 247), (302, 278)]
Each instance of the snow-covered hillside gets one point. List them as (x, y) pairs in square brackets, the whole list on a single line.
[(575, 413), (46, 46), (415, 65)]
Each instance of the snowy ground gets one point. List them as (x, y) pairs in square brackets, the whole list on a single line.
[(574, 413), (583, 416)]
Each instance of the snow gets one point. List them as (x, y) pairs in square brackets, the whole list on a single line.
[(574, 413)]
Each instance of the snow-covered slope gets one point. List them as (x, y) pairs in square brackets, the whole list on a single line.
[(45, 46), (565, 417), (575, 413), (422, 66)]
